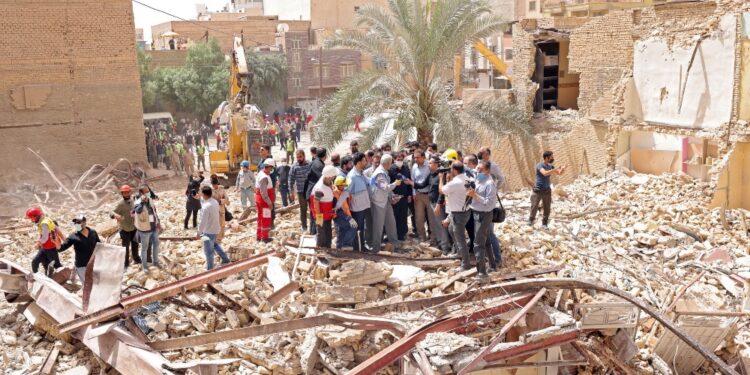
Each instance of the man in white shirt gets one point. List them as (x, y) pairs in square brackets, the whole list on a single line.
[(210, 227), (457, 208)]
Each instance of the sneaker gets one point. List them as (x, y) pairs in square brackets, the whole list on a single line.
[(459, 269), (531, 223), (481, 277), (492, 270), (545, 227)]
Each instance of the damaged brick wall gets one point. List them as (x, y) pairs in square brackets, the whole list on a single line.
[(602, 52), (70, 86), (523, 66), (583, 149)]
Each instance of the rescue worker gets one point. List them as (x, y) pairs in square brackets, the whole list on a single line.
[(346, 226), (265, 195), (47, 242), (121, 213), (246, 184), (200, 154), (321, 203), (188, 161), (84, 242), (168, 155)]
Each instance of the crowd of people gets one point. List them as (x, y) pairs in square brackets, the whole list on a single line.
[(177, 146), (447, 199), (370, 199)]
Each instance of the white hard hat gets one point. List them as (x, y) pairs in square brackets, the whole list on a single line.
[(269, 163), (330, 171)]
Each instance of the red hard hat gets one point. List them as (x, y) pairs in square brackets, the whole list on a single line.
[(125, 189), (34, 213)]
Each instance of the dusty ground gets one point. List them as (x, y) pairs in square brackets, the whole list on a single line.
[(631, 244)]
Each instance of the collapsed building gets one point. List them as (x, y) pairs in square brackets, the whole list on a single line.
[(661, 89), (643, 271)]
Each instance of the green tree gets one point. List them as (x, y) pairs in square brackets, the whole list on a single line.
[(414, 45), (204, 81), (148, 87), (198, 87), (269, 77)]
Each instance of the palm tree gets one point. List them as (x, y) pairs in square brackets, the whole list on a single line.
[(413, 46)]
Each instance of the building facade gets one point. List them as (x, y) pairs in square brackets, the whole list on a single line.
[(74, 96), (316, 72), (257, 31)]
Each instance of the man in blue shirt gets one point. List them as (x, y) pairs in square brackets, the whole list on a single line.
[(542, 188)]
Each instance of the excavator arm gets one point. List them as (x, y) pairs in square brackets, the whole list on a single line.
[(497, 62)]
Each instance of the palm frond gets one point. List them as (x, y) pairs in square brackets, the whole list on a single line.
[(499, 118)]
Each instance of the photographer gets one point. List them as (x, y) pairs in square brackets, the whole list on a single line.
[(148, 225), (457, 209), (193, 203), (483, 198), (402, 194), (436, 210)]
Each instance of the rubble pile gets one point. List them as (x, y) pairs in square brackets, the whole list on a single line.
[(648, 236)]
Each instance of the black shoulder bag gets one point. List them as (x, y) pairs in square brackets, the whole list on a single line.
[(498, 213)]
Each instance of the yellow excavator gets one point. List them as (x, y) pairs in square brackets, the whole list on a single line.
[(482, 48), (244, 121)]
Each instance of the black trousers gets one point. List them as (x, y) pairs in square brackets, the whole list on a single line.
[(545, 197), (324, 236), (131, 246), (45, 257), (413, 216), (362, 218), (193, 212), (470, 228), (401, 213), (302, 210)]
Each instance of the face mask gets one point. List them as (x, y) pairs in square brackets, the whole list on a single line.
[(551, 160), (399, 163), (214, 182), (481, 177), (126, 198), (78, 227)]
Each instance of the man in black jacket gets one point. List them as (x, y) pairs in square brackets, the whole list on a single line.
[(84, 241)]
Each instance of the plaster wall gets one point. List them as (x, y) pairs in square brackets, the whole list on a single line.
[(698, 97)]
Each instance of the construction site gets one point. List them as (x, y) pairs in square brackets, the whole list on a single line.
[(644, 269)]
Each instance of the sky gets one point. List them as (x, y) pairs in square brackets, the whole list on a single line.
[(145, 17)]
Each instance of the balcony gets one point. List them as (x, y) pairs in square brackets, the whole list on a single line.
[(588, 8)]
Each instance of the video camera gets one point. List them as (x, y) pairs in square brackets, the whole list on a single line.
[(470, 184), (444, 165)]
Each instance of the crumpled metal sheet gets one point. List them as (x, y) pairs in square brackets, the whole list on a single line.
[(105, 270)]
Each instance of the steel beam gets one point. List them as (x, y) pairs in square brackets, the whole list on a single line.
[(500, 336), (566, 283), (335, 317), (164, 291), (390, 259), (403, 345), (280, 294), (532, 347)]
